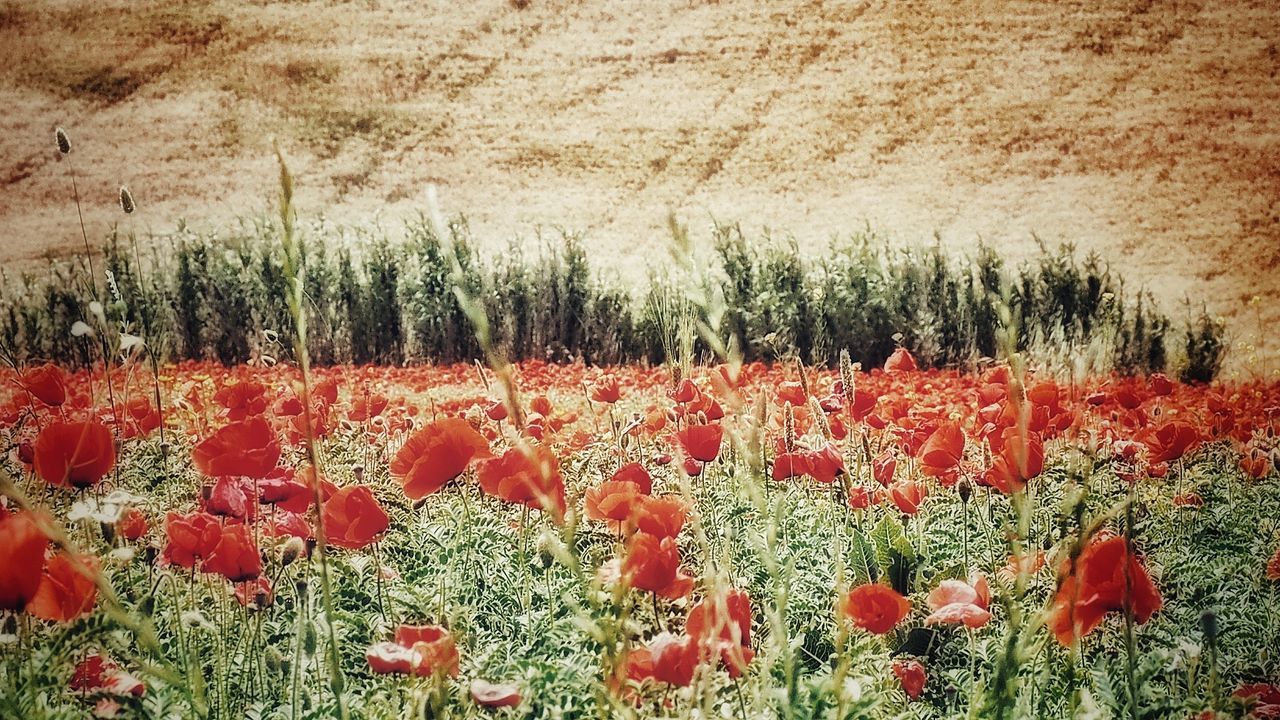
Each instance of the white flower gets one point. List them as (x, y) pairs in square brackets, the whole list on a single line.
[(129, 342), (80, 328)]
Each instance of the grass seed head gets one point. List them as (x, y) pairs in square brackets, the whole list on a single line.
[(126, 201), (64, 142)]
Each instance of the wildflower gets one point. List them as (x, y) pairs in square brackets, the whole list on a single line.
[(701, 442), (875, 608), (943, 450), (65, 591), (606, 390), (1171, 441), (494, 695), (190, 537), (22, 547), (98, 674), (652, 563), (669, 658), (437, 454), (353, 518), (78, 454), (900, 361), (613, 500), (883, 467), (955, 602), (1263, 698), (424, 650), (1099, 585), (48, 383), (723, 626), (662, 517), (246, 448), (235, 556), (1019, 459), (907, 495), (525, 476), (912, 676), (132, 523), (636, 474)]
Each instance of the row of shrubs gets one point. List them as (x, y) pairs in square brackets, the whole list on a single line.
[(379, 299)]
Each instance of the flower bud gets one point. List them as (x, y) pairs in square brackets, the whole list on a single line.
[(290, 551)]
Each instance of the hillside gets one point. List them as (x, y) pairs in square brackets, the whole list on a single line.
[(1146, 131)]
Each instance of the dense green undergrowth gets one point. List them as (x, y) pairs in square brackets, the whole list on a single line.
[(378, 299)]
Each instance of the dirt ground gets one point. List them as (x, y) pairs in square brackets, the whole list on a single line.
[(1146, 131)]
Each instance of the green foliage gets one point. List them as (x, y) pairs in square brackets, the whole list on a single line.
[(371, 298)]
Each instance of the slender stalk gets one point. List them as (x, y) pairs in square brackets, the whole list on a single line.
[(294, 273)]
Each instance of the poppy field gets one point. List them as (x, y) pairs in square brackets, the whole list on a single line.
[(738, 540)]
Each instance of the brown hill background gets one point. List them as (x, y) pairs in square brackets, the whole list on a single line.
[(1146, 131)]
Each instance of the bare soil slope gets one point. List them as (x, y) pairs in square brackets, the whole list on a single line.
[(1147, 131)]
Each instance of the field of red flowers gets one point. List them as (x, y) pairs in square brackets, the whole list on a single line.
[(569, 541)]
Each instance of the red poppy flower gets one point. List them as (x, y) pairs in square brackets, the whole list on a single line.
[(66, 592), (497, 411), (791, 465), (883, 467), (48, 383), (78, 454), (635, 473), (243, 399), (353, 518), (437, 454), (132, 524), (943, 450), (686, 392), (97, 674), (528, 476), (230, 497), (143, 415), (900, 361), (701, 442), (235, 557), (190, 537), (1255, 463), (908, 495), (1171, 441), (860, 498), (955, 602), (606, 390), (367, 407), (494, 695), (724, 627), (912, 676), (1098, 586), (674, 658), (424, 650), (285, 492), (875, 608), (22, 547), (387, 657), (247, 448), (612, 501), (653, 564), (662, 517), (1264, 699), (1018, 460)]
